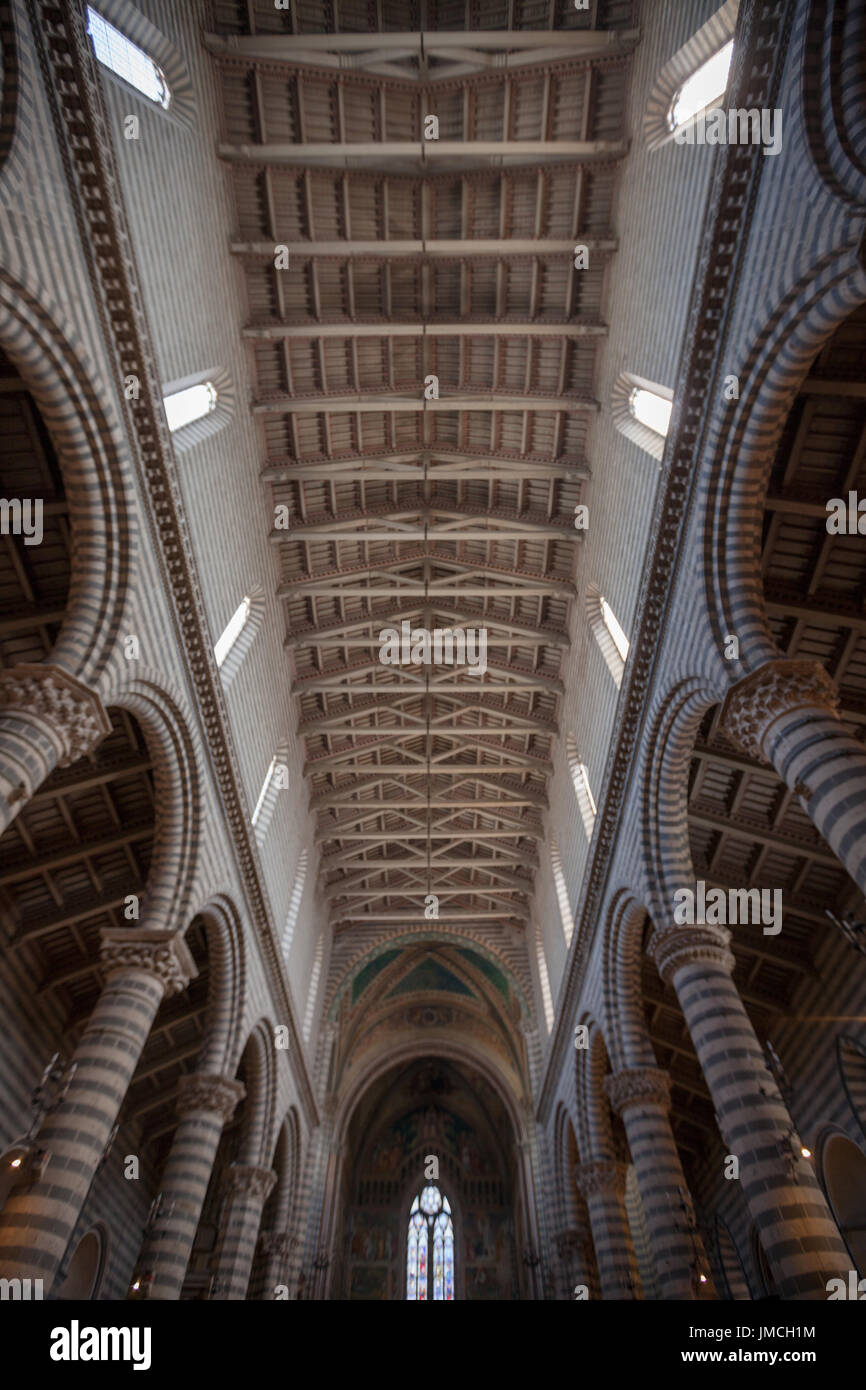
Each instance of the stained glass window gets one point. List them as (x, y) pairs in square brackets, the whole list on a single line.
[(430, 1224)]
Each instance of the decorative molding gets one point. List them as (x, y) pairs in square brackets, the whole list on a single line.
[(84, 142), (73, 714), (156, 952), (753, 705), (674, 947), (203, 1091), (638, 1086)]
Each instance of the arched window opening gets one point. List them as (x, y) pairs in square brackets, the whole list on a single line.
[(233, 629), (705, 87), (276, 780), (544, 980), (431, 1233), (126, 60), (582, 790), (193, 403), (641, 410), (620, 640), (607, 630), (561, 892), (650, 409), (295, 904)]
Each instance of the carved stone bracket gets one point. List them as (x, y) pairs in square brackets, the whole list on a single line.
[(674, 947), (639, 1086), (251, 1181), (600, 1176), (162, 954), (72, 713), (203, 1091), (779, 687)]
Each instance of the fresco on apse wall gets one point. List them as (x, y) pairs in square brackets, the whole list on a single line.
[(369, 1282), (442, 1126), (371, 1240), (488, 1253), (430, 974), (375, 1253)]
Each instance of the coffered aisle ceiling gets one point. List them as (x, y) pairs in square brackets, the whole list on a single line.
[(411, 258)]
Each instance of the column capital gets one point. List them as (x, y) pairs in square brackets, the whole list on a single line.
[(250, 1180), (638, 1086), (206, 1091), (673, 947), (163, 954), (276, 1243), (72, 713), (777, 688), (598, 1176)]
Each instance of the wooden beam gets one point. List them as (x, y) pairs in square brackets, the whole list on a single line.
[(387, 328), (453, 399), (437, 248)]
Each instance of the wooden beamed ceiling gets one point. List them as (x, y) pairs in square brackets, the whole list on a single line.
[(410, 259)]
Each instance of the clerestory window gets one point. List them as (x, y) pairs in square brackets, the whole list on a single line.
[(705, 87), (126, 60)]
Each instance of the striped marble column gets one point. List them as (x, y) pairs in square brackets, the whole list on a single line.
[(601, 1183), (205, 1104), (797, 1232), (785, 715), (248, 1189), (48, 719), (141, 966), (641, 1095)]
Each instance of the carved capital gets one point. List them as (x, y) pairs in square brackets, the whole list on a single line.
[(160, 953), (72, 713), (639, 1086), (600, 1176), (203, 1091), (251, 1181), (277, 1243), (779, 687), (675, 947)]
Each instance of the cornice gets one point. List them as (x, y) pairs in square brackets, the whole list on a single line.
[(85, 145), (760, 49)]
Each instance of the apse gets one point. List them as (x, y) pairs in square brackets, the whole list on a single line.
[(431, 1193)]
